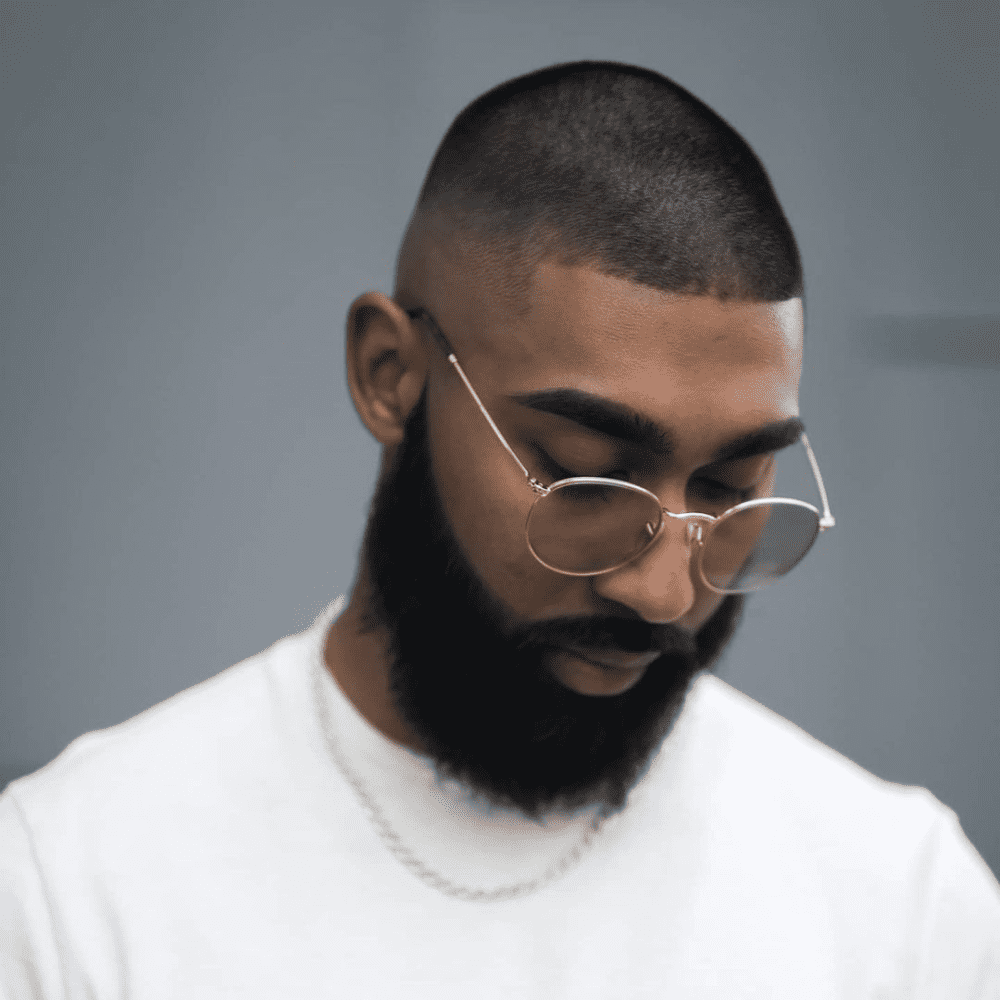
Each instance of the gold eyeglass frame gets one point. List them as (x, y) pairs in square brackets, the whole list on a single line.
[(696, 521)]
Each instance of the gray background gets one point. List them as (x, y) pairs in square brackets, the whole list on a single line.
[(192, 194)]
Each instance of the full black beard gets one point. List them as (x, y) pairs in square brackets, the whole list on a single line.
[(473, 683)]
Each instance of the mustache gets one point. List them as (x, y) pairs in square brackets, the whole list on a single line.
[(606, 634)]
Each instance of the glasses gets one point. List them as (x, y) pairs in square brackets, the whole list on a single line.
[(589, 525)]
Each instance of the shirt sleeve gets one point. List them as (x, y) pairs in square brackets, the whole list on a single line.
[(960, 943), (29, 959)]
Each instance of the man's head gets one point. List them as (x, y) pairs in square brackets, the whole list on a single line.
[(613, 166), (592, 228)]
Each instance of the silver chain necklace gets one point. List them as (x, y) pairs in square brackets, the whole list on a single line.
[(395, 844)]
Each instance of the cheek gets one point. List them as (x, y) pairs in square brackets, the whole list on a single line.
[(486, 500)]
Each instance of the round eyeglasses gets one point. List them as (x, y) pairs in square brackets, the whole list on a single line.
[(589, 525), (586, 526)]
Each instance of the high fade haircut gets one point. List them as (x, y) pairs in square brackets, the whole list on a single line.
[(619, 168)]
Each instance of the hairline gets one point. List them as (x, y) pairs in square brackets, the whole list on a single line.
[(512, 249)]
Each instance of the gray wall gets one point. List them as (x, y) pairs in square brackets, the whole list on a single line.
[(192, 195)]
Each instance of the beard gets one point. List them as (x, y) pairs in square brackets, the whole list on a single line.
[(473, 682)]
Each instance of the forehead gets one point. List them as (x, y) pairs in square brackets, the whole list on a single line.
[(683, 360)]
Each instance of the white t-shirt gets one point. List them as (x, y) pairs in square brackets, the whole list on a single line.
[(210, 847)]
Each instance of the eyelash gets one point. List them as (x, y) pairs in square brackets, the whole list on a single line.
[(714, 487), (555, 469), (720, 490)]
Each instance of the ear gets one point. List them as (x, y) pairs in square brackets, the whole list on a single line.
[(386, 365)]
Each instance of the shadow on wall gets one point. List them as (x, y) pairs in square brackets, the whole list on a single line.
[(12, 771), (930, 340)]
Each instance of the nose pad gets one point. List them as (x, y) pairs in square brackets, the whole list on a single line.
[(693, 536), (658, 585), (693, 533)]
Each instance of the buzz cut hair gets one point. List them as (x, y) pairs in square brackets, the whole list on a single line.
[(619, 168)]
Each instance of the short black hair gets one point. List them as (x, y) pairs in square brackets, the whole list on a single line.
[(619, 167)]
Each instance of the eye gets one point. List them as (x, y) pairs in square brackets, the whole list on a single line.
[(558, 471), (716, 491), (589, 493)]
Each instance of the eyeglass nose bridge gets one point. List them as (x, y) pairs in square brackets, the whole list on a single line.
[(697, 524)]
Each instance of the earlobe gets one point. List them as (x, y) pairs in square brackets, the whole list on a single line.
[(386, 365)]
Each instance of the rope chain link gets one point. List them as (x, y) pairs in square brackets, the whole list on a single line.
[(402, 852)]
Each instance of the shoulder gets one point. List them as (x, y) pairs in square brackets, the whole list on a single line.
[(779, 763), (171, 753), (784, 847), (771, 783)]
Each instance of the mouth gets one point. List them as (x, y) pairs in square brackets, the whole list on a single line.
[(615, 660), (600, 672)]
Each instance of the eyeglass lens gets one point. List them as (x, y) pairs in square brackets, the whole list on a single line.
[(593, 528)]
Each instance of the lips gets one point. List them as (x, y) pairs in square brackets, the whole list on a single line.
[(615, 659)]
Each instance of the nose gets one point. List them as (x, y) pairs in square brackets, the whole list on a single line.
[(659, 585)]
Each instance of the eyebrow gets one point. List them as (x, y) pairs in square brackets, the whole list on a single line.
[(618, 421), (762, 441)]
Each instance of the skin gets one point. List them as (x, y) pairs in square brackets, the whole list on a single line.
[(706, 370)]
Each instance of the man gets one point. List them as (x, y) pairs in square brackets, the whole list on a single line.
[(502, 769)]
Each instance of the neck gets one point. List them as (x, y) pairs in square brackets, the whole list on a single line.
[(359, 660)]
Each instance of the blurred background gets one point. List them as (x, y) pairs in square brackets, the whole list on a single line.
[(193, 193)]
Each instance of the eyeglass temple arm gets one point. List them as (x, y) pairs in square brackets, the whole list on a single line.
[(827, 520), (442, 342)]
